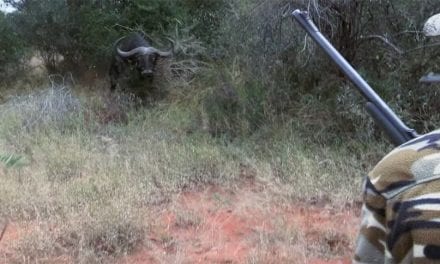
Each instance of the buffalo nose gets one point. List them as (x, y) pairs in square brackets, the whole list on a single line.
[(147, 73)]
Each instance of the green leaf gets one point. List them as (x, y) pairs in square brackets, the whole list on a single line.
[(11, 160)]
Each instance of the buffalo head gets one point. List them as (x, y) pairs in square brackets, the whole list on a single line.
[(137, 51)]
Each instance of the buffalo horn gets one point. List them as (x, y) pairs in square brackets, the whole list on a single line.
[(162, 53), (143, 51), (138, 50)]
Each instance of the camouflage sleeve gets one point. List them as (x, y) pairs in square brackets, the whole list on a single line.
[(370, 245)]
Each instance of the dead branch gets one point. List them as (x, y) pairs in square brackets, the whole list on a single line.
[(4, 230), (386, 41)]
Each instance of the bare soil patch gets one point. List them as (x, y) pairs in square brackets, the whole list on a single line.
[(244, 225)]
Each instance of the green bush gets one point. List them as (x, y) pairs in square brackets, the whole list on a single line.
[(268, 62), (12, 48), (270, 49), (206, 16)]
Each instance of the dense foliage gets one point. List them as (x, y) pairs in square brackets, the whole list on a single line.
[(260, 67), (11, 48), (287, 74)]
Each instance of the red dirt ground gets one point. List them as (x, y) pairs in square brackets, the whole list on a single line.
[(245, 226), (241, 226)]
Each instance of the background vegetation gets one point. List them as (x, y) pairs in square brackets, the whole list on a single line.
[(246, 96), (257, 58)]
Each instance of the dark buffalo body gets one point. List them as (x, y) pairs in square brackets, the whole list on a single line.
[(134, 51)]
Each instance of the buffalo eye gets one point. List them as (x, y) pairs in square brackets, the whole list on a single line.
[(154, 58)]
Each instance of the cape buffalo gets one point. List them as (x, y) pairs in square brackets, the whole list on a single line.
[(134, 50)]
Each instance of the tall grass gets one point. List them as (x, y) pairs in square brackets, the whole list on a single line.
[(83, 170), (95, 180), (96, 164)]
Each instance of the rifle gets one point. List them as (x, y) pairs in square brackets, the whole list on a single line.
[(394, 128)]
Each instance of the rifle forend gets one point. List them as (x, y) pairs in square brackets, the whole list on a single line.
[(395, 129)]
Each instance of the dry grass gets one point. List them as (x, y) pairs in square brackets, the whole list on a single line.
[(283, 246), (86, 183)]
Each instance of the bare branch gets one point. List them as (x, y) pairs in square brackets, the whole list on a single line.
[(415, 32), (123, 27), (4, 230), (423, 47), (386, 41)]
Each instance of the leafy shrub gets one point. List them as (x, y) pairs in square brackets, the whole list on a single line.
[(12, 48), (271, 64), (206, 16), (270, 49)]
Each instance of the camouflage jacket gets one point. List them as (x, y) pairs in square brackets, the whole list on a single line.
[(401, 207)]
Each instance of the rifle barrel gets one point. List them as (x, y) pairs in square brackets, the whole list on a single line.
[(365, 89)]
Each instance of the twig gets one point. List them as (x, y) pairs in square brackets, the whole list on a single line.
[(122, 26), (423, 47), (386, 41), (417, 32), (4, 230)]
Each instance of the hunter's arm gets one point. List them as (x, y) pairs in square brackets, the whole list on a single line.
[(370, 245)]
